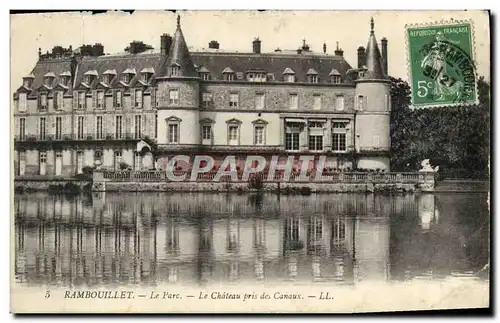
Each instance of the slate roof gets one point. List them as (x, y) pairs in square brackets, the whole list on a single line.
[(216, 63), (56, 66), (191, 63), (119, 63), (373, 59)]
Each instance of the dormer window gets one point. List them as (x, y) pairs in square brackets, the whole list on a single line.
[(175, 70), (108, 76), (125, 78), (64, 78), (335, 76), (289, 75), (48, 79), (89, 77), (256, 76), (312, 76), (28, 81), (204, 73), (127, 75), (228, 74), (146, 74), (362, 70)]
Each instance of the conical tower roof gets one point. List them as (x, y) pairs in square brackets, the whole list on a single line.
[(373, 59), (178, 55)]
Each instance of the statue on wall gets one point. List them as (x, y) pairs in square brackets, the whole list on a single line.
[(426, 167)]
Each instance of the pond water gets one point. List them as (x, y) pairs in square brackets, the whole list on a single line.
[(127, 239)]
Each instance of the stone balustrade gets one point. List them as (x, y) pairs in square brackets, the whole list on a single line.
[(424, 181)]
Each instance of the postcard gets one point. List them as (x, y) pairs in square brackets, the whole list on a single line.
[(250, 161)]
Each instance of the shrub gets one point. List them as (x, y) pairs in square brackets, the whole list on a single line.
[(305, 190), (124, 166), (256, 183)]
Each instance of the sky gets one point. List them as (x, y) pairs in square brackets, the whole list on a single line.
[(234, 30)]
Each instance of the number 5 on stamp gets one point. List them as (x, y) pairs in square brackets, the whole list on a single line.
[(441, 64)]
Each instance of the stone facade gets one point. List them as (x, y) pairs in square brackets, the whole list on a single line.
[(98, 111)]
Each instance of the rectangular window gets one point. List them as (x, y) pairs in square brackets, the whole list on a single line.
[(259, 135), (339, 125), (207, 99), (43, 101), (43, 162), (80, 127), (338, 142), (125, 78), (174, 97), (335, 79), (313, 78), (316, 143), (100, 99), (118, 127), (206, 132), (58, 128), (43, 157), (175, 70), (22, 102), (137, 127), (361, 103), (98, 157), (81, 100), (260, 100), (292, 141), (205, 76), (289, 78), (43, 130), (340, 103), (99, 134), (22, 162), (317, 102), (118, 159), (22, 129), (233, 133), (56, 100), (138, 98), (293, 101), (315, 124), (118, 99), (173, 133), (234, 99)]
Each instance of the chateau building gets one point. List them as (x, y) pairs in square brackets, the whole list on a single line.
[(136, 110)]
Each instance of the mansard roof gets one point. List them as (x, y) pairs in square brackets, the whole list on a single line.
[(119, 64), (217, 62), (42, 67)]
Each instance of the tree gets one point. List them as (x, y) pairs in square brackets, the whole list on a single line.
[(455, 138)]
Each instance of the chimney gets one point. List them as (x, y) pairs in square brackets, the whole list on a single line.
[(213, 44), (165, 42), (97, 49), (384, 55), (361, 56), (324, 48), (339, 51), (256, 45)]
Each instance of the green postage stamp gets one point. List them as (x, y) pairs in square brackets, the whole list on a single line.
[(441, 64)]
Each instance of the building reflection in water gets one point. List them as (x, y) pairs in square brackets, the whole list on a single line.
[(148, 239)]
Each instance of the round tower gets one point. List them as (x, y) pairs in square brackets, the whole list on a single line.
[(178, 96), (372, 105)]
